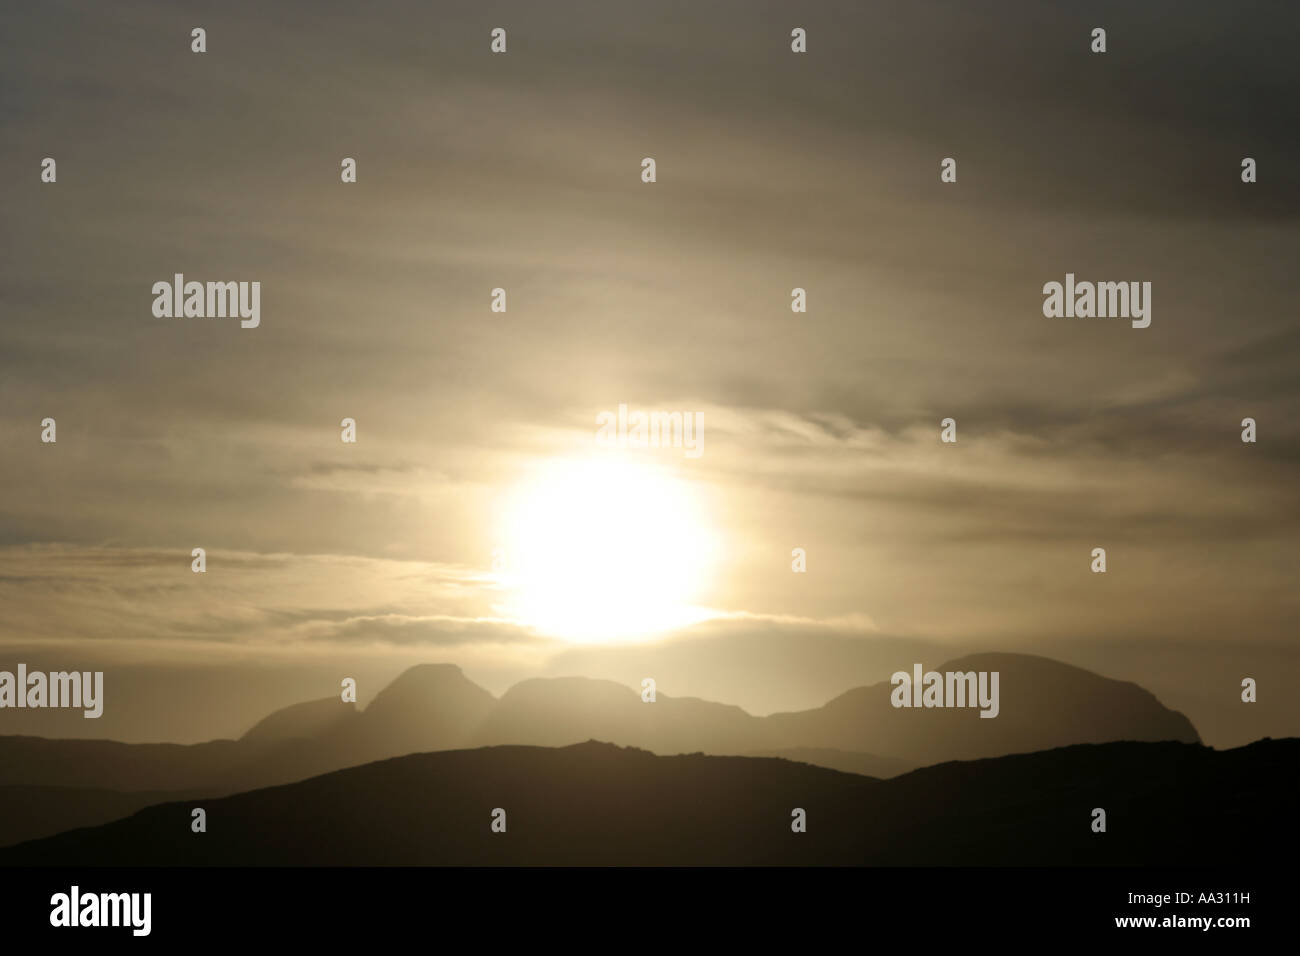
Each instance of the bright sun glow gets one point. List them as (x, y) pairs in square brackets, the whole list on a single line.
[(605, 550)]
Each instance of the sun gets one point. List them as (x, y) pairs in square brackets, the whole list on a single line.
[(605, 550)]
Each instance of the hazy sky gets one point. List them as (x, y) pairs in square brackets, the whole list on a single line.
[(821, 430)]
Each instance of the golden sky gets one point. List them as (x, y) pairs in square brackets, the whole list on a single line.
[(821, 430)]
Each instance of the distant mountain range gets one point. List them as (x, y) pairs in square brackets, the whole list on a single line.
[(597, 804), (1044, 704)]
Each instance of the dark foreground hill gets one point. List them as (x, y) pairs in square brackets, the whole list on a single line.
[(1042, 704), (868, 765), (594, 803), (27, 813)]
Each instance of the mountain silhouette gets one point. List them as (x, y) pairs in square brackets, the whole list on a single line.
[(868, 765), (1043, 704), (28, 813), (428, 707), (432, 707), (312, 719), (551, 712), (599, 804)]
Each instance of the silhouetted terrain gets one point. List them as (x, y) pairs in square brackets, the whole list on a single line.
[(28, 813), (552, 712), (868, 765), (1043, 704), (315, 718), (595, 803)]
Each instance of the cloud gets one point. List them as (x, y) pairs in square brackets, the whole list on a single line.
[(520, 171), (428, 630), (271, 601)]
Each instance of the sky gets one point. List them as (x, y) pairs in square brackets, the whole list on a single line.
[(522, 171)]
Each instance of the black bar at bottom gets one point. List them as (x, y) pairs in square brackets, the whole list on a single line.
[(634, 907)]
